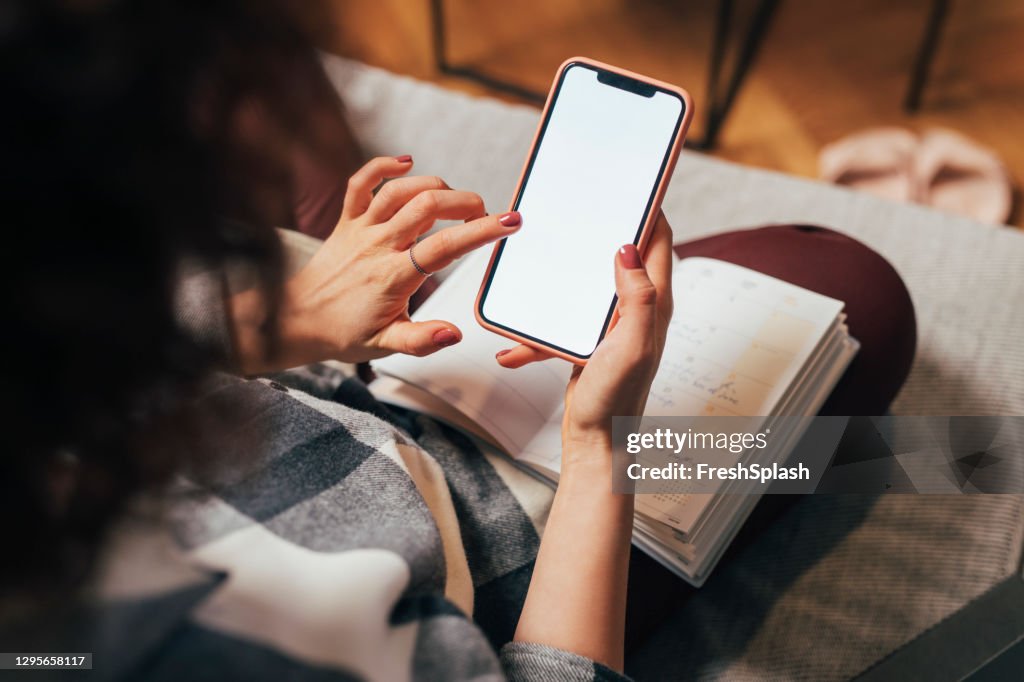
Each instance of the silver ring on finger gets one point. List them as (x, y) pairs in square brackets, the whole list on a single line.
[(415, 263)]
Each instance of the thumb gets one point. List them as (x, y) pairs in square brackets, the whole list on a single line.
[(638, 297), (419, 338)]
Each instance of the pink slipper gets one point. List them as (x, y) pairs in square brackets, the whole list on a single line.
[(877, 160), (960, 176)]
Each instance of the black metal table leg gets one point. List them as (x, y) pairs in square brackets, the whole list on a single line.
[(467, 72), (717, 106), (925, 55)]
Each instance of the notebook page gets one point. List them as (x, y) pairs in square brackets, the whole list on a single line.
[(510, 404), (699, 554), (738, 341), (396, 392), (814, 381), (828, 364)]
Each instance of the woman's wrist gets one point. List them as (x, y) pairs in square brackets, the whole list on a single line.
[(587, 465), (582, 443), (585, 487), (263, 344)]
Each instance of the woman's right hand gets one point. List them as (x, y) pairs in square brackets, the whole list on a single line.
[(351, 301), (618, 376)]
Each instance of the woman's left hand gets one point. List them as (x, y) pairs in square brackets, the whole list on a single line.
[(351, 301)]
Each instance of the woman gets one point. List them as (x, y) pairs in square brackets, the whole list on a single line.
[(178, 521)]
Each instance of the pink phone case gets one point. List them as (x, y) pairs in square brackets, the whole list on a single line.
[(677, 145)]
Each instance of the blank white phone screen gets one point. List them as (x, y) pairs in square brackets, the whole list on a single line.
[(586, 195)]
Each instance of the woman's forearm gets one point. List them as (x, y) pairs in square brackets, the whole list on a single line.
[(577, 596)]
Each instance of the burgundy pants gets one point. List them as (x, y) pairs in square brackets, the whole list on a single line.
[(879, 311)]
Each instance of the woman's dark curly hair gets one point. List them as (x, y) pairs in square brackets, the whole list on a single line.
[(138, 137)]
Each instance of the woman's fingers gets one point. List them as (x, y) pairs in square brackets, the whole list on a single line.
[(392, 196), (635, 341), (513, 358), (421, 212), (659, 264), (419, 338), (638, 296), (445, 246), (359, 194)]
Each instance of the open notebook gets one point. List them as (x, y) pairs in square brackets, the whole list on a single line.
[(740, 343)]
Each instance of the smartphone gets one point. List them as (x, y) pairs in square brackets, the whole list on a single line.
[(593, 180)]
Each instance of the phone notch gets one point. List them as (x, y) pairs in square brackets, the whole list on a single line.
[(626, 83)]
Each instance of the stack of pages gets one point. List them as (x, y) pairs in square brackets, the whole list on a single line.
[(740, 343)]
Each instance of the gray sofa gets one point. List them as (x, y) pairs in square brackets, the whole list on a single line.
[(838, 584)]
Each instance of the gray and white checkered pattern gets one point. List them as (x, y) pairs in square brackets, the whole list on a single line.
[(335, 549)]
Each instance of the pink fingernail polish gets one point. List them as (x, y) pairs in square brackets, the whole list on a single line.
[(404, 158), (630, 257), (501, 353), (511, 219), (445, 337)]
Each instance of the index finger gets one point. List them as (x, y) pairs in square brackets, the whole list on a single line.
[(442, 248)]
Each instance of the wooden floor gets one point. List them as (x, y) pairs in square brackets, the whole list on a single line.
[(827, 68)]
